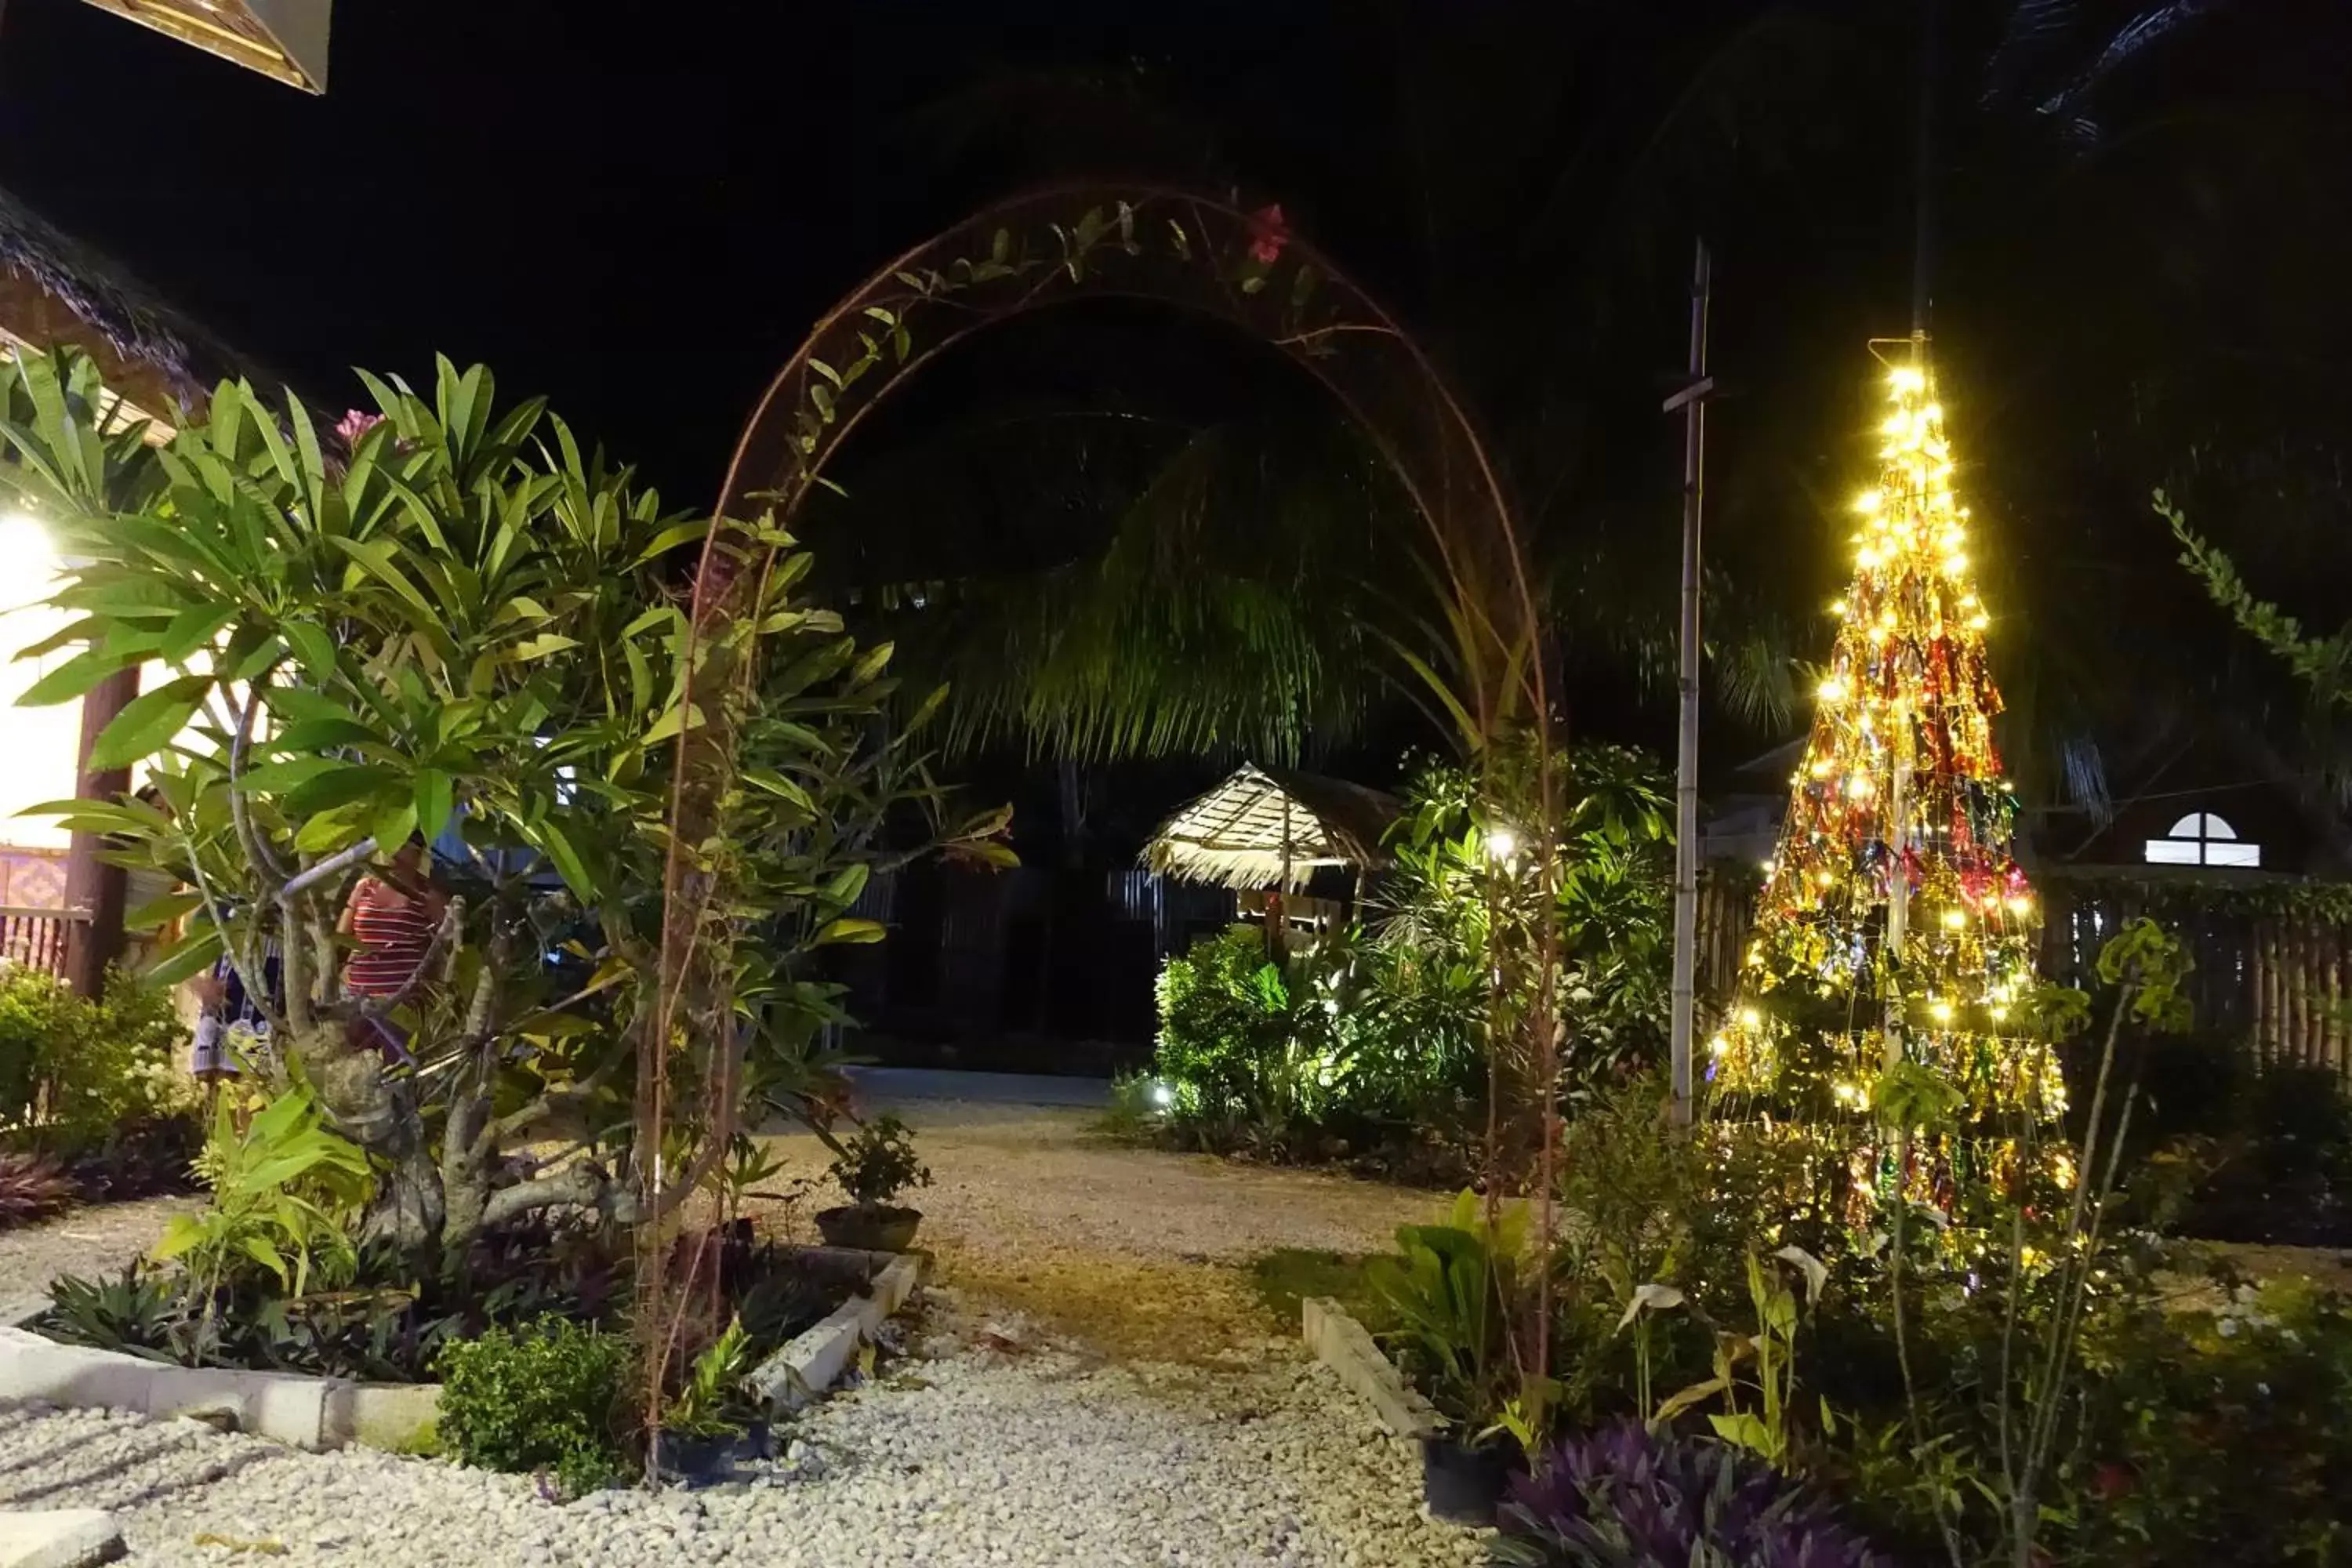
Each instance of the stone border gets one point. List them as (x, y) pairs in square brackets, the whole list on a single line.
[(1341, 1343), (815, 1358), (306, 1412), (331, 1412)]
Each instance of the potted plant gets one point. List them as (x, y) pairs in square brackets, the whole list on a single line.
[(874, 1167), (1449, 1292), (707, 1428)]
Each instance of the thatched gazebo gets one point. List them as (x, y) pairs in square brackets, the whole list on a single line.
[(55, 290), (1281, 835)]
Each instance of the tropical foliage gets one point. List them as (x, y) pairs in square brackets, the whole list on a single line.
[(1375, 1039), (460, 625)]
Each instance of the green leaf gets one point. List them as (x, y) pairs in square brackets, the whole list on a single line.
[(670, 538), (196, 951), (436, 794), (545, 644), (850, 931), (330, 830), (314, 647), (559, 849), (193, 629), (148, 721), (333, 732), (76, 676), (162, 911), (379, 557)]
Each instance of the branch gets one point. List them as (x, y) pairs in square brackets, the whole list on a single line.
[(582, 1183), (257, 848), (546, 1108), (340, 860)]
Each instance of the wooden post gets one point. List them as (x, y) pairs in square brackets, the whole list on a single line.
[(2298, 995), (95, 890)]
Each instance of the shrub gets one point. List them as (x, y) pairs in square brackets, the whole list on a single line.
[(1626, 1497), (72, 1071), (2218, 1437), (1135, 1111), (32, 1187), (543, 1397)]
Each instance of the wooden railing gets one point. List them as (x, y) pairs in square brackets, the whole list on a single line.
[(34, 939)]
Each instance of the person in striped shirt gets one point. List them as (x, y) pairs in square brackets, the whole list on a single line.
[(392, 919)]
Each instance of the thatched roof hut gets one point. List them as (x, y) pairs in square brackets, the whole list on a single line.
[(1263, 828), (56, 289)]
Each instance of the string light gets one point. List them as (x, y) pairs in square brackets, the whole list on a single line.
[(1901, 779)]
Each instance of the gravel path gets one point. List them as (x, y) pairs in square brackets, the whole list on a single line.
[(1005, 1177), (967, 1454), (89, 1242), (1140, 1253), (1094, 1384)]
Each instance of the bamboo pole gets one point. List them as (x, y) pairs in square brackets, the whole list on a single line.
[(2299, 997), (2332, 1031), (2258, 979)]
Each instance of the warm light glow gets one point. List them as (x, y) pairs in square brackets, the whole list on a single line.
[(1502, 844), (1906, 647), (1749, 1017)]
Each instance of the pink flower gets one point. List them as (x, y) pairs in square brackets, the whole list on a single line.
[(1268, 235), (355, 423)]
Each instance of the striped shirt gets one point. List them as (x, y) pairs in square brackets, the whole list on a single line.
[(395, 936)]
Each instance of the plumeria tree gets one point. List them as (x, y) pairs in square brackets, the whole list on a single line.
[(446, 620)]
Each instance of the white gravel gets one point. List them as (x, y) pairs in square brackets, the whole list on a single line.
[(88, 1241), (969, 1453)]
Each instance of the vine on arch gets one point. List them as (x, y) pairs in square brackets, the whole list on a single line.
[(1247, 268)]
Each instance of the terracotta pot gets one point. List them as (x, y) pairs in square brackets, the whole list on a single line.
[(869, 1228)]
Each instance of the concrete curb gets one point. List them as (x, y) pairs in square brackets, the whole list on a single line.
[(333, 1411), (1341, 1343), (305, 1412), (814, 1360), (58, 1538)]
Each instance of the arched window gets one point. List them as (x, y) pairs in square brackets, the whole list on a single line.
[(2202, 839)]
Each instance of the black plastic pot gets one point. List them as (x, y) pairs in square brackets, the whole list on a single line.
[(1464, 1483), (707, 1461), (869, 1228)]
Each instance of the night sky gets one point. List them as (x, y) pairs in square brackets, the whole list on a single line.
[(640, 217), (638, 220)]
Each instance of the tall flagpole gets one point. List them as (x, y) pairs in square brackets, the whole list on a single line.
[(1692, 401)]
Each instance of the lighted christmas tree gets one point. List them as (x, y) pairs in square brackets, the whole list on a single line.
[(1895, 921)]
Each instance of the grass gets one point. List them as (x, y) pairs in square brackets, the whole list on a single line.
[(1288, 1275)]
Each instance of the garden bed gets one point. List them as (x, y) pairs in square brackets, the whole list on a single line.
[(831, 1301)]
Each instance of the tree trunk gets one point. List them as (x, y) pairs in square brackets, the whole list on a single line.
[(384, 1118)]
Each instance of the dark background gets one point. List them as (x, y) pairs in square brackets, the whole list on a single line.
[(2141, 226)]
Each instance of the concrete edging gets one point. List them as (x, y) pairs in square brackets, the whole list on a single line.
[(1341, 1343), (814, 1359), (306, 1412), (333, 1411)]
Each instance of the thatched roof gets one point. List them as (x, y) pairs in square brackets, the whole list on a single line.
[(1247, 830), (55, 290)]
